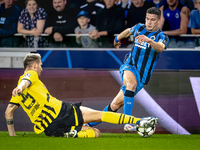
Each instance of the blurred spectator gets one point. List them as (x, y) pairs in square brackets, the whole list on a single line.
[(31, 23), (124, 3), (46, 4), (92, 7), (20, 4), (60, 20), (156, 2), (9, 13), (188, 3), (174, 22), (110, 21), (137, 7), (76, 3), (1, 2), (85, 28), (194, 21)]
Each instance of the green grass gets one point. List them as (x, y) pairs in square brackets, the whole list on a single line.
[(107, 141)]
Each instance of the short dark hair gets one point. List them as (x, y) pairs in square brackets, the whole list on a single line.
[(30, 59), (154, 10)]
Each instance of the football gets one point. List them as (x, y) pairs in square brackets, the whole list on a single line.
[(146, 131)]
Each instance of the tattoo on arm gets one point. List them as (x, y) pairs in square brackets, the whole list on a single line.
[(184, 12), (9, 121)]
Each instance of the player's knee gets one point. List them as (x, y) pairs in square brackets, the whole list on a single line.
[(116, 106), (131, 85), (97, 132)]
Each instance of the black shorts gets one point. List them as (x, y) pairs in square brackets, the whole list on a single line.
[(69, 118)]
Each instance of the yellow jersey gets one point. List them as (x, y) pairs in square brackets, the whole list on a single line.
[(36, 101)]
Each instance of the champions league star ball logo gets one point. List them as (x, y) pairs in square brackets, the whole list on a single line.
[(27, 76)]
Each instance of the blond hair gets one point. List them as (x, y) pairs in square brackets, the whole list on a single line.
[(30, 58)]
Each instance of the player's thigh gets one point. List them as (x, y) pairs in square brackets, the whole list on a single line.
[(129, 80), (90, 115), (118, 101)]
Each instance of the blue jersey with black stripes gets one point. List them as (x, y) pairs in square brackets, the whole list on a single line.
[(142, 55)]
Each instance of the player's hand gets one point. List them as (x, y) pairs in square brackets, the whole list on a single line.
[(142, 38), (16, 91), (117, 44)]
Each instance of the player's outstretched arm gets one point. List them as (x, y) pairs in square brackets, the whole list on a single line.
[(22, 86), (9, 118), (125, 34)]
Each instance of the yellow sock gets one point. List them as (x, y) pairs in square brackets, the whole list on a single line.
[(86, 133), (118, 118)]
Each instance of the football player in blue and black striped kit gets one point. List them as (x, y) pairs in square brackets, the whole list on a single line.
[(149, 41)]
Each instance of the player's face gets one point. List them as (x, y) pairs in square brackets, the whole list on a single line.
[(31, 6), (198, 4), (109, 3), (151, 22), (83, 21), (172, 3), (38, 68), (137, 3), (59, 5)]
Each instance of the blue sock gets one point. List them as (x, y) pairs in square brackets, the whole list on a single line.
[(91, 124), (128, 102)]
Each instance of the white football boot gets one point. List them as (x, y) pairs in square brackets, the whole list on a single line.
[(130, 127), (70, 134)]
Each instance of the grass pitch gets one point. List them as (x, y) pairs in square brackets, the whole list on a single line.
[(107, 141)]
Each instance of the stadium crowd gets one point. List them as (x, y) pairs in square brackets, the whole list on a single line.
[(22, 22)]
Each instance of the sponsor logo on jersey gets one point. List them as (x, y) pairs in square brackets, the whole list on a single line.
[(59, 17)]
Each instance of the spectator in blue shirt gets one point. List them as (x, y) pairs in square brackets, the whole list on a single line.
[(194, 21), (188, 3), (174, 22), (9, 13)]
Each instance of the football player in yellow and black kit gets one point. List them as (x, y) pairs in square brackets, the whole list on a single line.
[(52, 116)]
